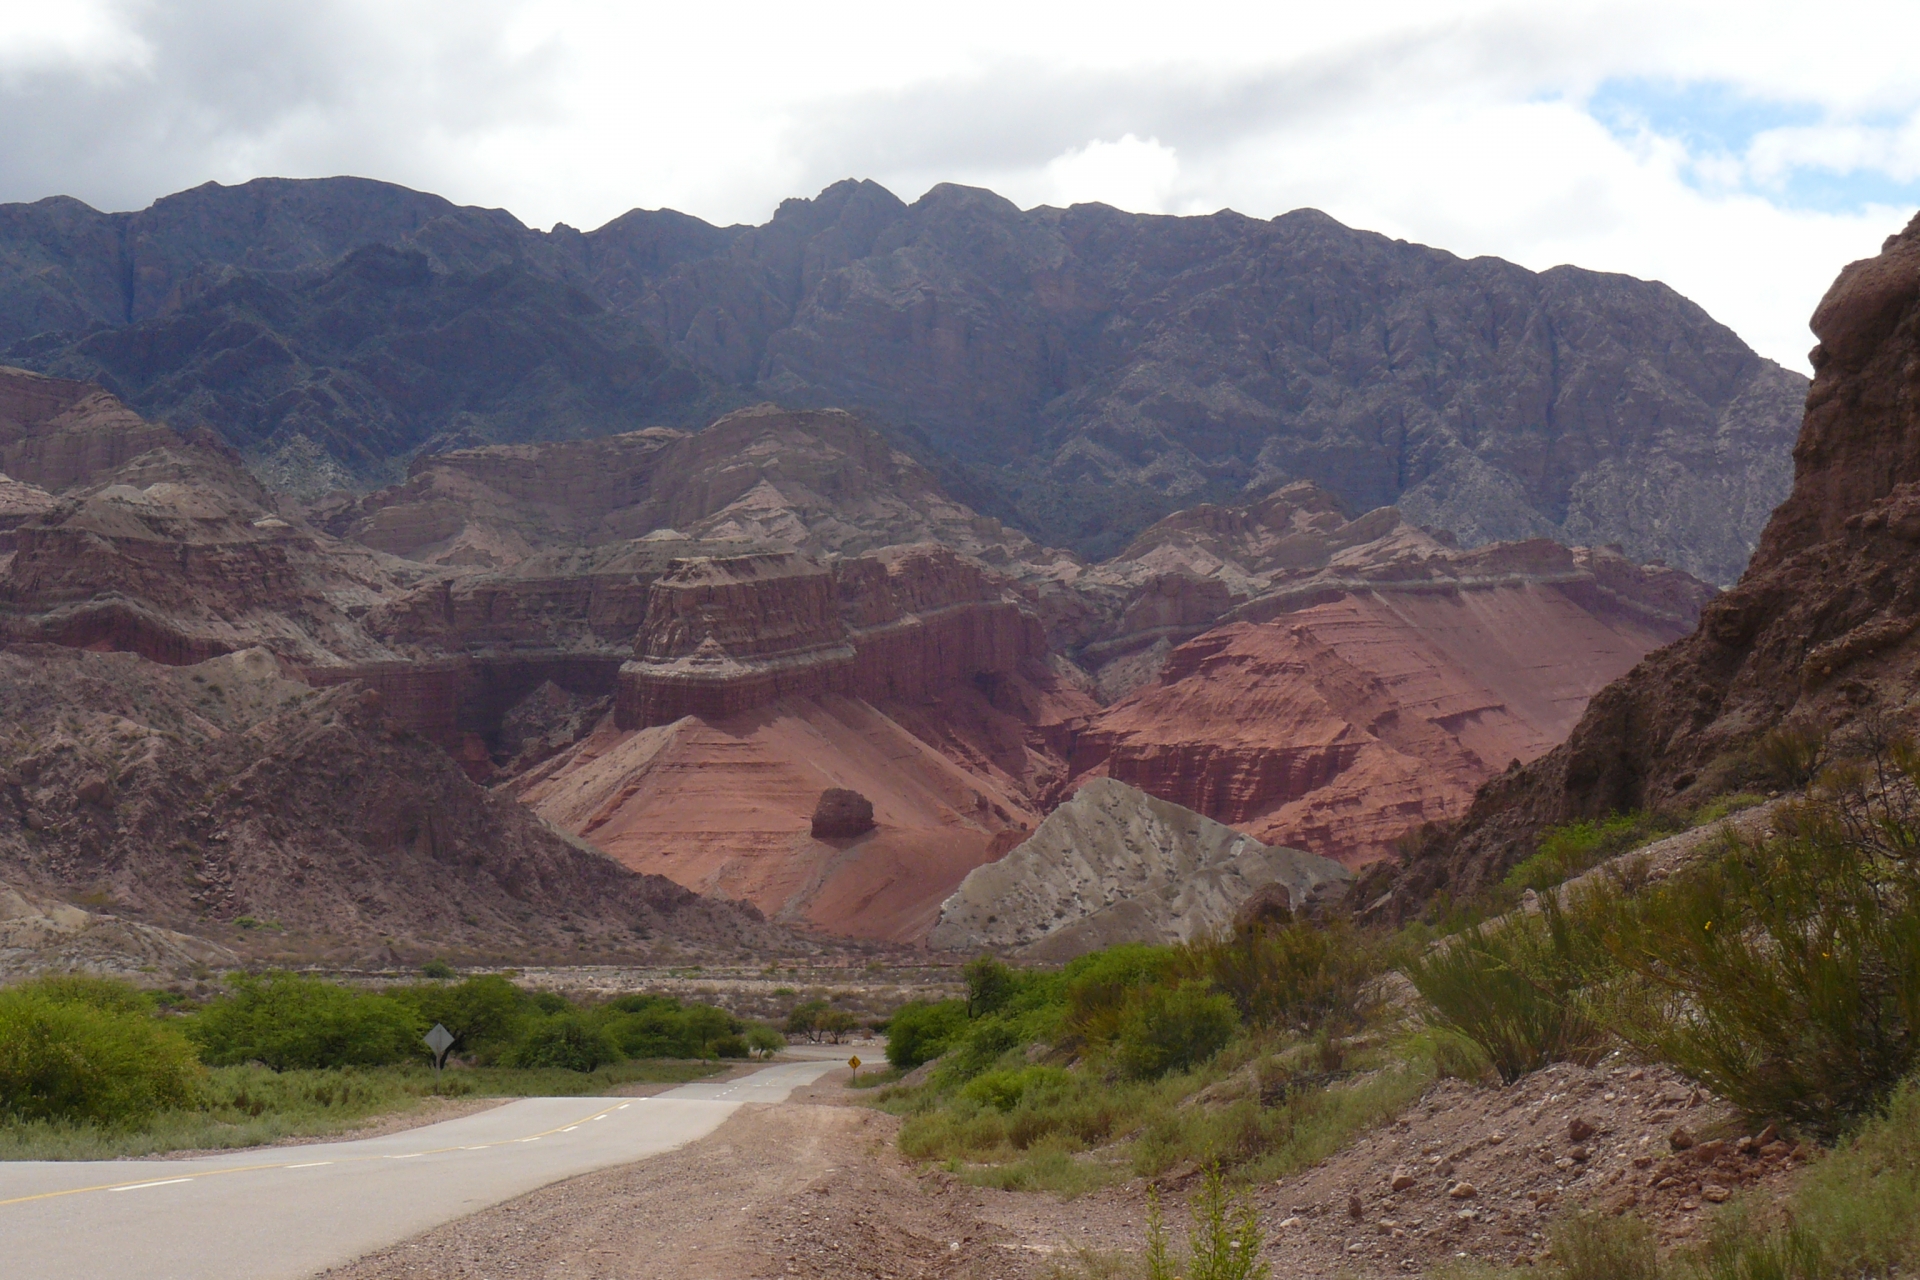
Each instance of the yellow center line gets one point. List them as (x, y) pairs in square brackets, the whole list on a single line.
[(148, 1180)]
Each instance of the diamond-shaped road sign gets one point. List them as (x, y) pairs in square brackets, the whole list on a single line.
[(439, 1040)]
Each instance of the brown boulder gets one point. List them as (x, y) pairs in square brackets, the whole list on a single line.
[(842, 815)]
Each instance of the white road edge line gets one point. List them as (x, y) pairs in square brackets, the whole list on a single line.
[(166, 1182), (315, 1165)]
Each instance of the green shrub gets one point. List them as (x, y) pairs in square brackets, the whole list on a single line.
[(77, 1050), (1004, 1090), (1858, 1210), (1785, 973), (1298, 975), (436, 969), (765, 1041), (484, 1014), (728, 1046), (990, 985), (920, 1031), (567, 1040), (1565, 852), (1788, 756), (283, 1021), (1594, 1246), (1172, 1029), (1514, 990), (1098, 987), (1223, 1242)]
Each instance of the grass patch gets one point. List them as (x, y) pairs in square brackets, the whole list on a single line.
[(246, 1106)]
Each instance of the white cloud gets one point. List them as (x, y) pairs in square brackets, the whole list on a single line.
[(1740, 152), (1127, 173)]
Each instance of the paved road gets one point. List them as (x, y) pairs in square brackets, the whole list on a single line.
[(295, 1211)]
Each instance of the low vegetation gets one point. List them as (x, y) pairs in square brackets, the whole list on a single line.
[(92, 1068)]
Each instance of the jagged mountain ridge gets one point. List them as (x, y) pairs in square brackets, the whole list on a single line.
[(1076, 372)]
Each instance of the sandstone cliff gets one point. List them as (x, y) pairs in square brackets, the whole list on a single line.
[(1116, 865), (1819, 632), (1079, 372)]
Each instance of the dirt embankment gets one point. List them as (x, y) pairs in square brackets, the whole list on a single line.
[(816, 1189)]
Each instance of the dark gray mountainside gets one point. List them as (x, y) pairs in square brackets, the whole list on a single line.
[(1078, 372)]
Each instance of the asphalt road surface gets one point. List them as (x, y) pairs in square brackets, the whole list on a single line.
[(295, 1211)]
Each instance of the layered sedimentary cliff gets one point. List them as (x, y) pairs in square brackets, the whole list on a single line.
[(1115, 865), (1366, 676), (1818, 635), (726, 634)]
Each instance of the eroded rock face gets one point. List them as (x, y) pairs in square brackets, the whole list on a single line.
[(726, 634), (238, 793), (55, 434), (1819, 632), (842, 815), (1113, 864)]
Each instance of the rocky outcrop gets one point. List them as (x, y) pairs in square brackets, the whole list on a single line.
[(842, 815), (726, 634), (1299, 547), (225, 801), (1115, 865), (1819, 633), (1369, 709), (820, 482), (55, 434), (1080, 372)]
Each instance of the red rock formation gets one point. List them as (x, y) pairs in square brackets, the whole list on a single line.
[(55, 434), (727, 634), (1337, 727)]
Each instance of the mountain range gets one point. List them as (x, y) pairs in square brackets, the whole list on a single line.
[(1076, 373)]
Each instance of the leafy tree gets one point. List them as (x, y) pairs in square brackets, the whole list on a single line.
[(285, 1022), (920, 1030), (87, 1050)]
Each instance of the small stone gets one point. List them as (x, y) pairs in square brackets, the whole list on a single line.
[(1288, 1224), (1579, 1154), (1769, 1134), (1495, 1138), (1462, 1191), (1579, 1129), (1563, 1163), (1717, 1194), (1401, 1179), (1803, 1152), (1355, 1209), (1680, 1139), (1643, 1162)]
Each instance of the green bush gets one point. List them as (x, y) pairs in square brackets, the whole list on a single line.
[(484, 1014), (1098, 987), (1298, 975), (1784, 973), (1565, 852), (283, 1021), (1514, 989), (85, 1051), (765, 1041), (1173, 1028), (1596, 1246), (567, 1040), (1003, 1090), (728, 1046), (1223, 1243), (990, 985), (920, 1031)]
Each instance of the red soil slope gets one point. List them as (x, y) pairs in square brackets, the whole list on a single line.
[(1336, 728), (725, 806)]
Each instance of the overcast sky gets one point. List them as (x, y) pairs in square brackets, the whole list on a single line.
[(1742, 152)]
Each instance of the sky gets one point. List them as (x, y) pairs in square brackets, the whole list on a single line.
[(1740, 152)]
